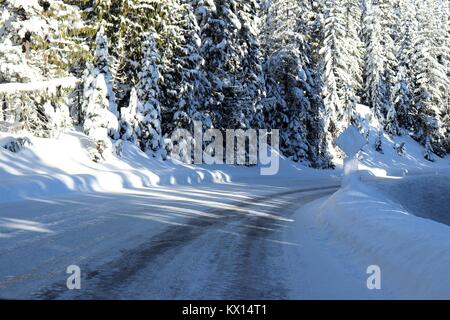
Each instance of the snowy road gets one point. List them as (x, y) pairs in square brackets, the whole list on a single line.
[(232, 257), (228, 241), (231, 241)]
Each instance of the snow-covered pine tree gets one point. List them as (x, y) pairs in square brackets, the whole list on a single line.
[(318, 135), (443, 11), (185, 86), (101, 63), (14, 64), (332, 30), (134, 18), (211, 51), (341, 62), (389, 43), (292, 102), (354, 47), (116, 17), (431, 82), (251, 72), (391, 124), (99, 121), (122, 22), (402, 100), (402, 91), (286, 106), (225, 54), (46, 34), (129, 124), (230, 51), (149, 108), (376, 87), (100, 66)]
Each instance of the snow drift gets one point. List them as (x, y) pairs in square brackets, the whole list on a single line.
[(413, 253), (49, 167)]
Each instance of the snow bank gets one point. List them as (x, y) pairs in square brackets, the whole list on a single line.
[(413, 253), (49, 167)]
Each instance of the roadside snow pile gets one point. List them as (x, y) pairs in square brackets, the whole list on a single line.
[(47, 167), (413, 253)]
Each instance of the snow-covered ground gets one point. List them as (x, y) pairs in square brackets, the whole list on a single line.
[(140, 228), (389, 162)]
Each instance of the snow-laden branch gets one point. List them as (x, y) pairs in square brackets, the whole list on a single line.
[(68, 82)]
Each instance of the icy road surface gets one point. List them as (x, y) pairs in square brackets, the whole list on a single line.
[(236, 241)]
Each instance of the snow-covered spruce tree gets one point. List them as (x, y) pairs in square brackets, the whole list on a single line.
[(219, 51), (339, 65), (251, 72), (114, 17), (100, 66), (319, 136), (402, 91), (45, 33), (103, 15), (99, 121), (129, 124), (293, 102), (376, 87), (14, 65), (184, 88), (101, 63), (286, 106), (149, 108), (122, 22), (391, 124), (331, 30), (352, 16), (390, 83), (402, 101), (230, 50), (341, 62), (133, 18), (389, 25), (431, 82)]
